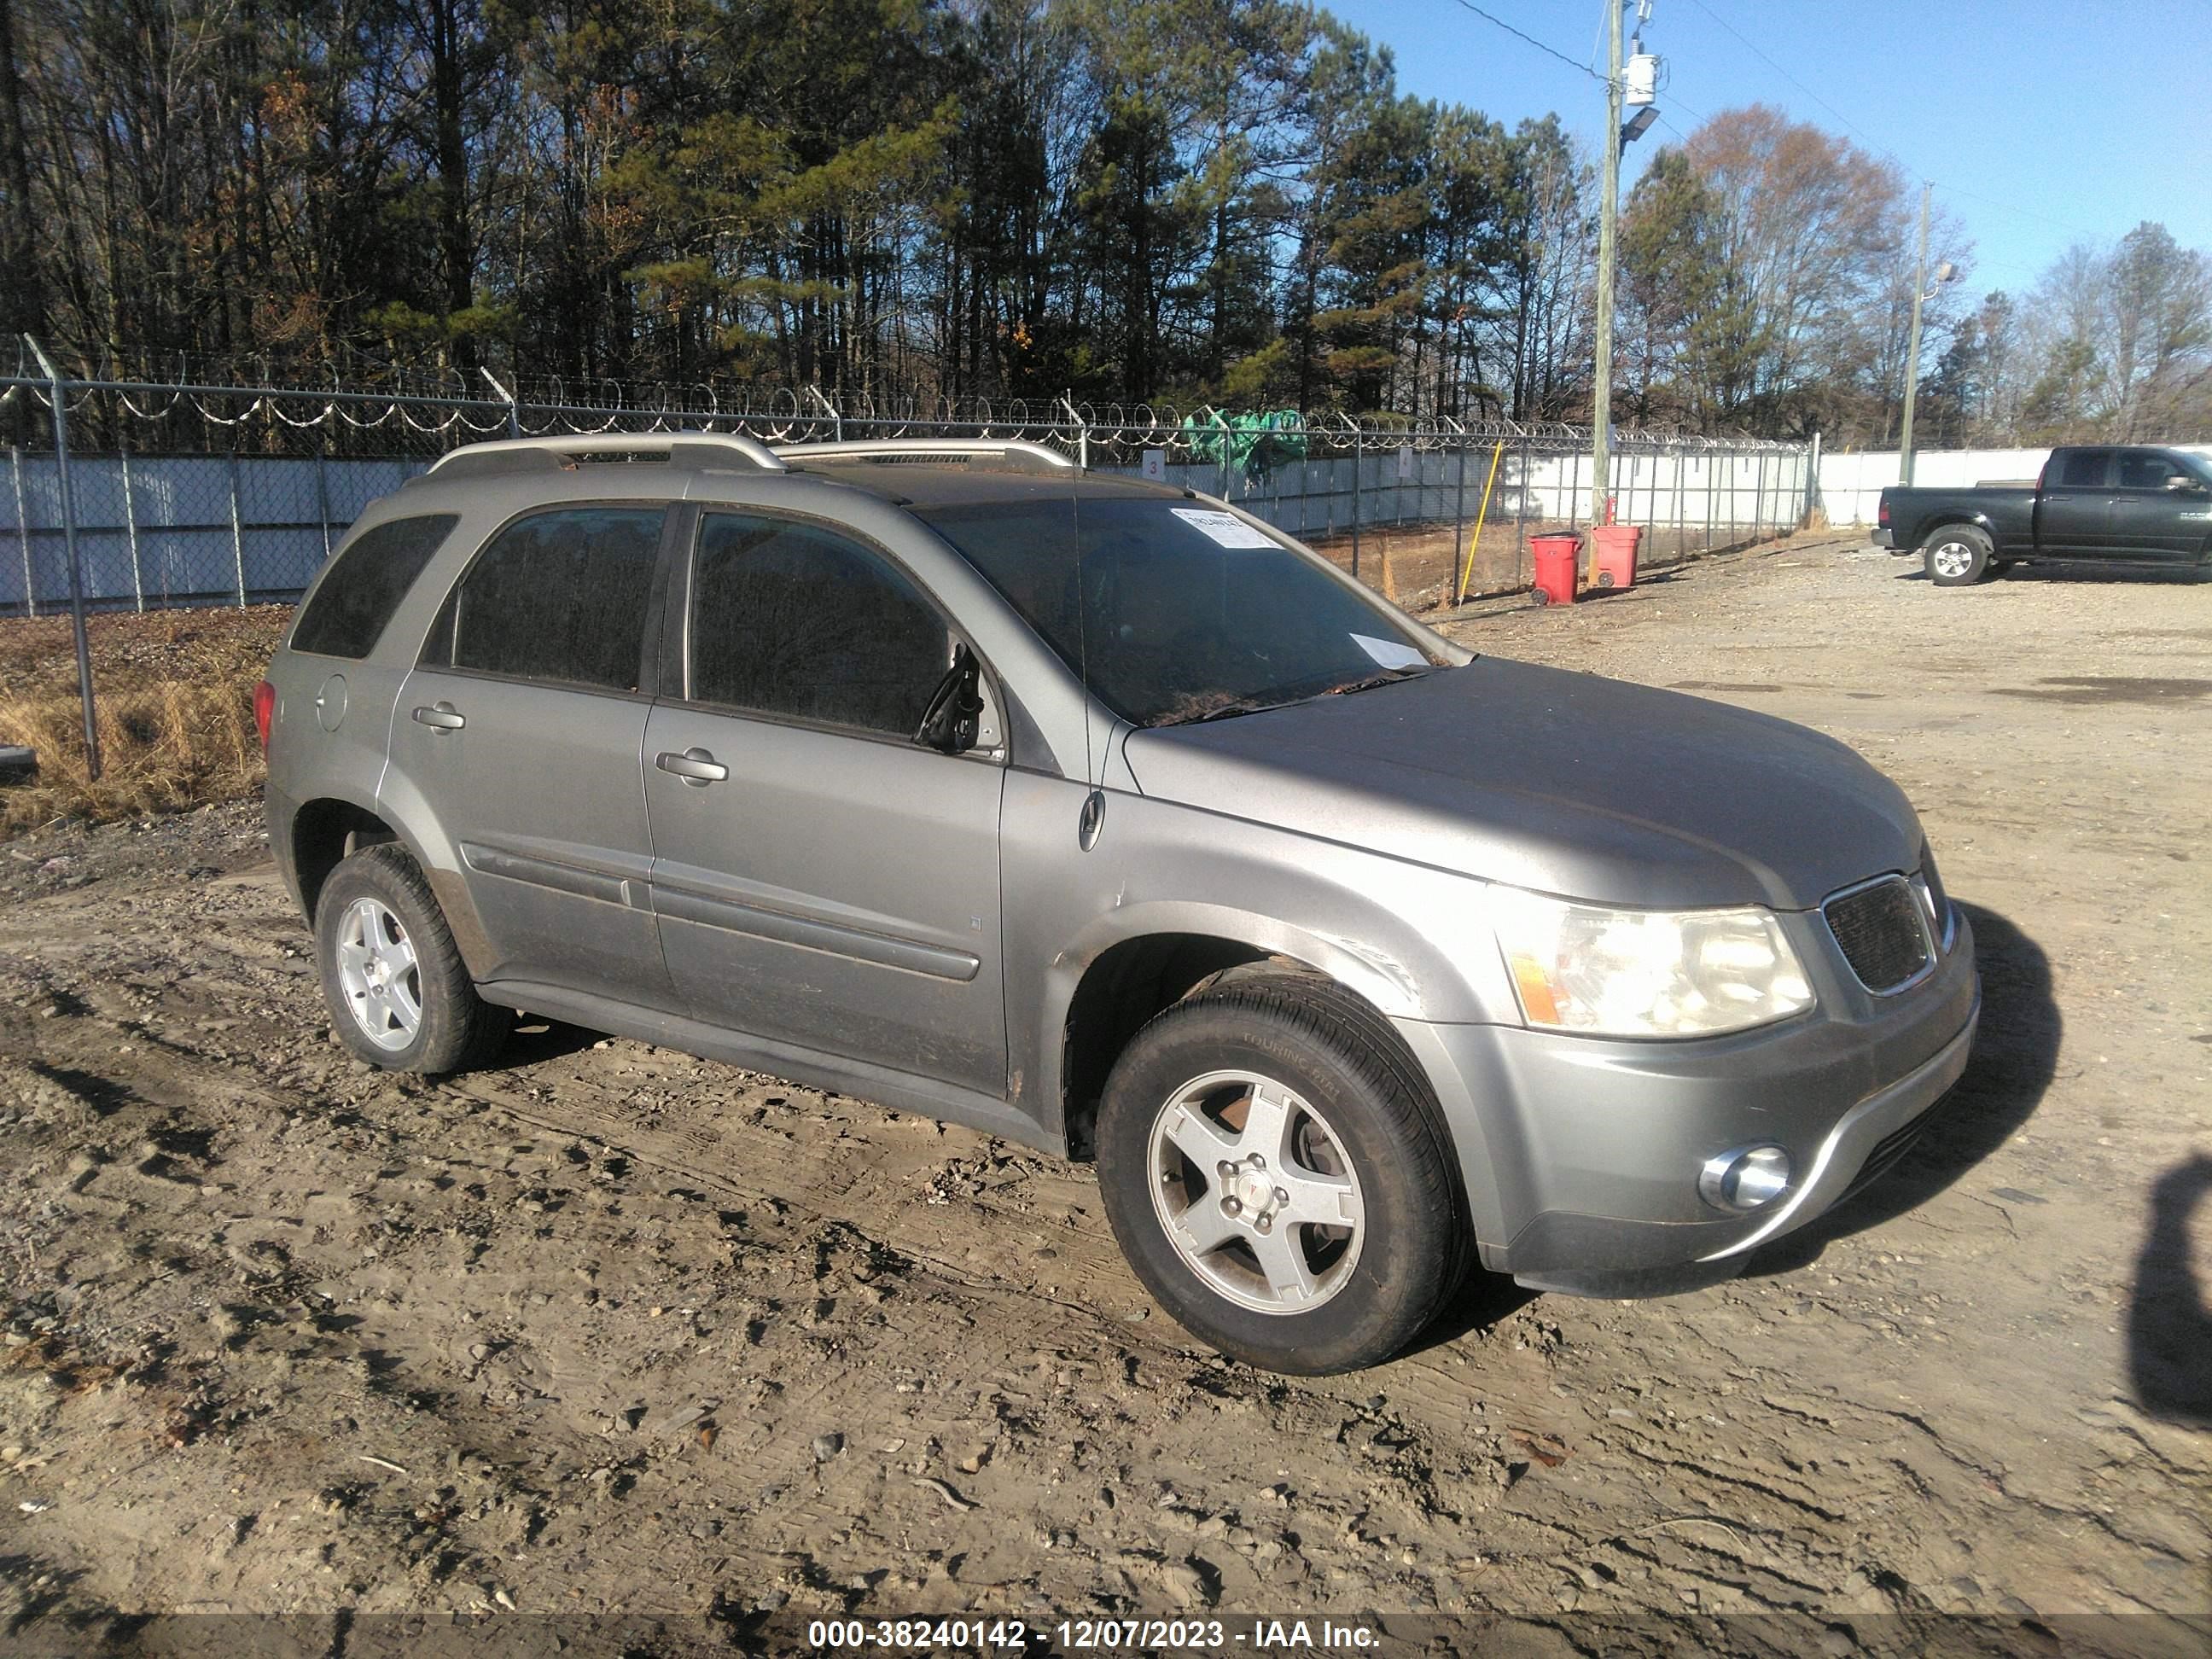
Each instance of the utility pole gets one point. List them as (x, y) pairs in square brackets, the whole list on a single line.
[(1912, 351), (1609, 218), (1922, 291)]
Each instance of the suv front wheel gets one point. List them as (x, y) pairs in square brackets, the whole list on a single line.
[(1273, 1173), (399, 995)]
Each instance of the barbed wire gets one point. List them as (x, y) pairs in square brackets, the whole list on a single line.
[(779, 414)]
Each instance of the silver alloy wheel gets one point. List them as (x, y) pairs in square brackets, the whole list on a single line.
[(1256, 1191), (383, 983), (1953, 558)]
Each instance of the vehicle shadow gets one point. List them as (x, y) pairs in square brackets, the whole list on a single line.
[(2169, 1319), (535, 1038), (2180, 575), (2015, 1056)]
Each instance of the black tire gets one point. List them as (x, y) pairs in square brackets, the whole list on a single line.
[(1337, 1055), (458, 1029), (1958, 556)]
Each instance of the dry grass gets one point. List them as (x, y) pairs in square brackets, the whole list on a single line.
[(174, 691)]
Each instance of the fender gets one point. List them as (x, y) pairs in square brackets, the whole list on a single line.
[(1950, 515), (400, 803)]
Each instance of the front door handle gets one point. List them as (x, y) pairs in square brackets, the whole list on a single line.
[(696, 767), (442, 717)]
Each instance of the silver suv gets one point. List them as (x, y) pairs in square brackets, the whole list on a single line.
[(1097, 814)]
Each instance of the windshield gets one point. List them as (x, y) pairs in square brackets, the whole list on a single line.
[(1187, 612)]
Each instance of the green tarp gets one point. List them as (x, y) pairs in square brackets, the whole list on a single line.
[(1255, 444)]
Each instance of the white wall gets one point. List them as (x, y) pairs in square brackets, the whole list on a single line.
[(1850, 485)]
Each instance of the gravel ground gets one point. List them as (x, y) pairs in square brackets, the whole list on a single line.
[(615, 1331)]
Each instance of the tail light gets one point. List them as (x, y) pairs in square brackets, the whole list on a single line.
[(264, 710), (1882, 513)]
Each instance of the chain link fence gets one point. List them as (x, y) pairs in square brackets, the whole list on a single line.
[(190, 494)]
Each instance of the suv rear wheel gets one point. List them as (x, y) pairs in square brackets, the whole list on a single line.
[(1958, 556), (1275, 1178), (398, 994)]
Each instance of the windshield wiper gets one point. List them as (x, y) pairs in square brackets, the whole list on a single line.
[(1388, 677), (1224, 712)]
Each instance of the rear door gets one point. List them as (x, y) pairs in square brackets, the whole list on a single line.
[(821, 879), (2150, 518), (2074, 516), (522, 727)]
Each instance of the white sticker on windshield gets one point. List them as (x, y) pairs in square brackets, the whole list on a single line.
[(1389, 653), (1226, 528)]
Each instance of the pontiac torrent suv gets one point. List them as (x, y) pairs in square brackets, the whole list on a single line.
[(1097, 814)]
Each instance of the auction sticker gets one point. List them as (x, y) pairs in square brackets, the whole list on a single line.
[(1226, 528)]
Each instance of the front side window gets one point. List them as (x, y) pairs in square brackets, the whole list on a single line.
[(794, 620), (559, 597), (1173, 611), (2147, 471), (365, 582)]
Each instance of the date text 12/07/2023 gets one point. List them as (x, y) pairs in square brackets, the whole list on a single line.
[(1183, 1636)]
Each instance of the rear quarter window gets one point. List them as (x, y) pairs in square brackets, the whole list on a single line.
[(365, 582)]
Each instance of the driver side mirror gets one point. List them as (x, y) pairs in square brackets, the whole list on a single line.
[(2181, 483), (956, 707)]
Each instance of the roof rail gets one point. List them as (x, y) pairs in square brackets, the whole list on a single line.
[(923, 451), (700, 451)]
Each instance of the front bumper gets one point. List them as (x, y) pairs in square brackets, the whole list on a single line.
[(1581, 1155)]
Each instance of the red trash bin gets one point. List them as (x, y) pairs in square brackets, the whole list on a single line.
[(1616, 553), (1555, 553)]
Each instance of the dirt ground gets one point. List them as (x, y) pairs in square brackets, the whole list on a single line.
[(615, 1331)]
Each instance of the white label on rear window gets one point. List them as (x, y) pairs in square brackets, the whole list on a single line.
[(1389, 653), (1225, 528)]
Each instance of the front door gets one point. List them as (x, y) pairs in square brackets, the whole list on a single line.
[(2150, 517), (2075, 510), (821, 879), (521, 729)]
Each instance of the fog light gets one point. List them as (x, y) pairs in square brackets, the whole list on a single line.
[(1744, 1179)]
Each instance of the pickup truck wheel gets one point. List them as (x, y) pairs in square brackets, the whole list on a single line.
[(1276, 1178), (398, 994), (1958, 556)]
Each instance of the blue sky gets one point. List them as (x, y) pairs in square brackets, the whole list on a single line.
[(2042, 122)]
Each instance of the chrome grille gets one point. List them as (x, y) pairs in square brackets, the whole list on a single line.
[(1883, 931)]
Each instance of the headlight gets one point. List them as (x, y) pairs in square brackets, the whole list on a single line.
[(1647, 973)]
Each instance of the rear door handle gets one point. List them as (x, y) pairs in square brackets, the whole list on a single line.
[(696, 767), (442, 717)]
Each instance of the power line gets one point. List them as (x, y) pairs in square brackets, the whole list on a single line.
[(1551, 51), (1755, 49), (1880, 149)]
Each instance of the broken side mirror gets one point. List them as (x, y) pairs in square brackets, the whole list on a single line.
[(956, 707)]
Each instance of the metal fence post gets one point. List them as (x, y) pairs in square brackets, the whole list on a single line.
[(1759, 499), (1679, 457), (131, 530), (323, 489), (60, 391), (513, 427), (1459, 520), (1708, 463), (1082, 433), (23, 532), (1359, 451), (237, 533), (1521, 509)]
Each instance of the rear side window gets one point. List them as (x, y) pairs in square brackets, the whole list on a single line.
[(2084, 469), (365, 584), (559, 596), (795, 620)]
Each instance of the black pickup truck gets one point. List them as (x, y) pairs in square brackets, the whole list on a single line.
[(2112, 504)]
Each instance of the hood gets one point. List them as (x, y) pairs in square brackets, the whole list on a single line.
[(1566, 783)]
